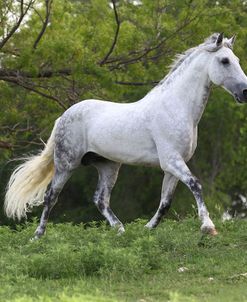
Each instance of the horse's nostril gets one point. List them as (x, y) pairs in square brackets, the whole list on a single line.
[(245, 93)]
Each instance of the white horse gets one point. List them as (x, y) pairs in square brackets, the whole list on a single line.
[(159, 130)]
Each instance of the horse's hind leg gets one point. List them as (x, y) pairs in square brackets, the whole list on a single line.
[(108, 172), (51, 195)]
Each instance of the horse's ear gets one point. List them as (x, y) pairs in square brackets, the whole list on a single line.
[(220, 39), (231, 41)]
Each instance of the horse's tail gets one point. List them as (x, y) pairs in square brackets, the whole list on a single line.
[(28, 182)]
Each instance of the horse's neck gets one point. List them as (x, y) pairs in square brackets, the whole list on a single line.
[(190, 87), (193, 89)]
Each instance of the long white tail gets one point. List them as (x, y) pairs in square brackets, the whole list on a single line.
[(28, 182)]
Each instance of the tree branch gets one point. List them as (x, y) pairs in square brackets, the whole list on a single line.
[(30, 87), (23, 13), (102, 62), (42, 74), (146, 51), (5, 145), (137, 83), (48, 4)]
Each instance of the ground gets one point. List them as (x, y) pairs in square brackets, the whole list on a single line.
[(92, 263)]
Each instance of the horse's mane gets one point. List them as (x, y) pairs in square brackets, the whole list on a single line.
[(180, 58), (177, 61)]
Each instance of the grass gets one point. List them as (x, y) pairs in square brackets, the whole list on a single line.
[(90, 264)]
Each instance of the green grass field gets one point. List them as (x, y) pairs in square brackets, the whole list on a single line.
[(78, 263)]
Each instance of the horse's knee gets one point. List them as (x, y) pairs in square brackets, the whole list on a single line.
[(195, 185)]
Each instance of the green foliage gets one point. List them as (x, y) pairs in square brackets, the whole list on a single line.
[(89, 263)]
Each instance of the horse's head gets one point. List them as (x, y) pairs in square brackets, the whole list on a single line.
[(224, 68)]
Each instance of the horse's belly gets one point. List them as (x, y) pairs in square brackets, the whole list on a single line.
[(127, 157), (124, 148)]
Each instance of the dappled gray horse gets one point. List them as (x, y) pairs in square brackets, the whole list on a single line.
[(159, 130)]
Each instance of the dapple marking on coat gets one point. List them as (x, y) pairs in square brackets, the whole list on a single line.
[(159, 130)]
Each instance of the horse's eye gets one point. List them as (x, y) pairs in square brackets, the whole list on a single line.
[(225, 61)]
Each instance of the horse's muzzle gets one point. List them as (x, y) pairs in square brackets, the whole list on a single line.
[(241, 97), (245, 94), (237, 89)]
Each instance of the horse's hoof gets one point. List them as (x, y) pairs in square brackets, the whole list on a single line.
[(121, 230), (34, 238), (149, 226), (37, 235), (209, 230), (213, 232)]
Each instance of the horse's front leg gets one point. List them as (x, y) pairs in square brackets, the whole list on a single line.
[(175, 164), (168, 187)]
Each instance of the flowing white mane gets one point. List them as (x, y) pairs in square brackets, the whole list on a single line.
[(179, 59)]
